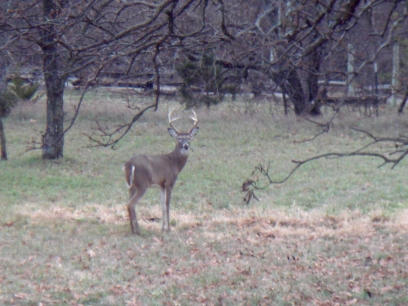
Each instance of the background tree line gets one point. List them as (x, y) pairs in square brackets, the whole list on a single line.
[(206, 48)]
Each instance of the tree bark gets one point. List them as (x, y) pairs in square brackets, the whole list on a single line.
[(3, 141), (53, 139), (313, 83), (403, 102), (289, 82)]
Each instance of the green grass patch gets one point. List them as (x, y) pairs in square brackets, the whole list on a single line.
[(335, 233)]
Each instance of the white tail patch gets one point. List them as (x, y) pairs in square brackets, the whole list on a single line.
[(132, 175)]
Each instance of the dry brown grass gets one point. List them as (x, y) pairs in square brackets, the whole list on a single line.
[(239, 256), (267, 223)]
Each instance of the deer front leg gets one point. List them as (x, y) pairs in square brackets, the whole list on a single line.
[(163, 203), (166, 196)]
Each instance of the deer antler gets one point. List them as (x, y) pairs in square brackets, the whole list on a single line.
[(172, 120), (195, 119)]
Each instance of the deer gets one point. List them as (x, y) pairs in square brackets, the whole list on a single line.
[(146, 171)]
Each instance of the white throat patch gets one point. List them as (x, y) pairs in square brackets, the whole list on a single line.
[(184, 152)]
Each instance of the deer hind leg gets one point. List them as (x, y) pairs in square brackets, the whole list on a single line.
[(135, 196)]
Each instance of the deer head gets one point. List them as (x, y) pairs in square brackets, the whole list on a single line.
[(183, 139)]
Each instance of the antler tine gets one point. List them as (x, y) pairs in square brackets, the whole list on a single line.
[(195, 119), (172, 120)]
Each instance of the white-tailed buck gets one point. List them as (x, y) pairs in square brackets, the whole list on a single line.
[(143, 172)]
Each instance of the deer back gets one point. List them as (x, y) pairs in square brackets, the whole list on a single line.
[(147, 171)]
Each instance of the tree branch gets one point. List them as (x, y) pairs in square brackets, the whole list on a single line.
[(101, 138), (249, 186)]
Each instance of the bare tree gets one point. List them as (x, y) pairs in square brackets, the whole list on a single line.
[(7, 101), (293, 45), (183, 26), (96, 41), (299, 45)]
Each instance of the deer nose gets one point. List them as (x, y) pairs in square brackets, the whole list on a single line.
[(186, 147)]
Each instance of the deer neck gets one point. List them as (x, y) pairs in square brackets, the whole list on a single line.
[(179, 158)]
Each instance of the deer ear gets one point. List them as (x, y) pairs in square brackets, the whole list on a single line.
[(172, 132), (194, 131)]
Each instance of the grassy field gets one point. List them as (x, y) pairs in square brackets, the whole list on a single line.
[(335, 234)]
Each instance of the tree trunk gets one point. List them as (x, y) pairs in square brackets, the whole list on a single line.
[(285, 103), (53, 139), (3, 141), (403, 102), (312, 81), (289, 82)]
